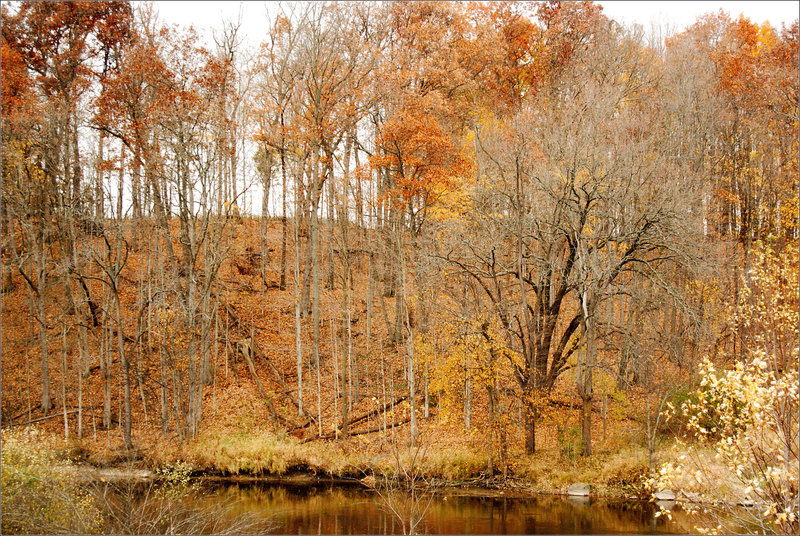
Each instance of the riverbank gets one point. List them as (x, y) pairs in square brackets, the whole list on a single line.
[(261, 455), (63, 468)]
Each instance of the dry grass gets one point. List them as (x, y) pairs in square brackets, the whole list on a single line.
[(615, 473), (262, 452), (259, 451), (452, 465)]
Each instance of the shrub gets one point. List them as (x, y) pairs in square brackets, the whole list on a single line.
[(748, 415), (171, 504), (38, 494), (755, 441), (569, 442)]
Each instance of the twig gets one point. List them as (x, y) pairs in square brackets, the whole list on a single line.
[(59, 414), (360, 432)]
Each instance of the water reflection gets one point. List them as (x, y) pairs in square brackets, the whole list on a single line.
[(352, 509)]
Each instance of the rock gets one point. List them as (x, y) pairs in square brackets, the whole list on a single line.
[(578, 490), (665, 495)]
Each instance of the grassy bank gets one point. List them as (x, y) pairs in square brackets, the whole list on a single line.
[(261, 453), (611, 473)]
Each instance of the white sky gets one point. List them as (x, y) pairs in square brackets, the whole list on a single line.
[(678, 14), (683, 14)]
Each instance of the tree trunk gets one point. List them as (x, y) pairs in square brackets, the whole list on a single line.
[(412, 394), (77, 173), (105, 365), (467, 398), (297, 326), (64, 379), (585, 379), (221, 169), (359, 189), (308, 213), (99, 211), (342, 213), (83, 351), (161, 210), (329, 279), (121, 185), (41, 312), (126, 385), (264, 220), (136, 185), (234, 164), (531, 415), (283, 222), (315, 275)]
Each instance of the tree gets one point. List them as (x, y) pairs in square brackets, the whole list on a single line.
[(577, 193), (56, 43), (277, 88)]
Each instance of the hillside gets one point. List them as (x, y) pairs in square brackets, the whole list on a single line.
[(234, 400)]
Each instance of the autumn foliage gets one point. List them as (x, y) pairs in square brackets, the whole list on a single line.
[(515, 225)]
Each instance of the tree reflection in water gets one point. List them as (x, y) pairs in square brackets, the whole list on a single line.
[(340, 508)]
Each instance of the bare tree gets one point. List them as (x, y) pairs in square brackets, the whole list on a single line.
[(578, 192)]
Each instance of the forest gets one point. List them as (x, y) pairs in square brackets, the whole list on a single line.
[(505, 236)]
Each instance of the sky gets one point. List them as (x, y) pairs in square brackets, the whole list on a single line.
[(678, 14), (683, 14)]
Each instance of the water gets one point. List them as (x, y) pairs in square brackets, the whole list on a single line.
[(353, 509)]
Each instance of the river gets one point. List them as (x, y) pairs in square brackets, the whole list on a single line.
[(339, 508)]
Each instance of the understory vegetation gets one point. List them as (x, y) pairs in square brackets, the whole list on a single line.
[(38, 496), (44, 493)]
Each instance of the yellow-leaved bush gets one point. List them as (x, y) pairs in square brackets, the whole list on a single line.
[(744, 467), (39, 493)]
